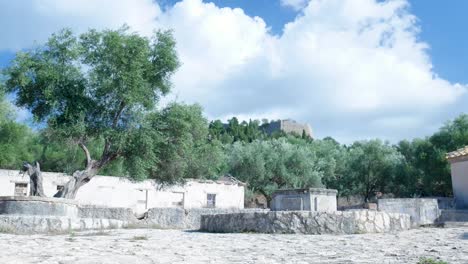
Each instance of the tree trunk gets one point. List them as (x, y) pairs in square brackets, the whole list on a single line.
[(79, 178), (35, 179)]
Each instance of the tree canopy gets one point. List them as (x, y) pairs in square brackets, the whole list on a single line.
[(99, 85)]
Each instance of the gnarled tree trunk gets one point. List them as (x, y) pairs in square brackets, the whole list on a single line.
[(80, 178), (35, 179)]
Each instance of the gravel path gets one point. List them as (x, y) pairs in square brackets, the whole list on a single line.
[(173, 246)]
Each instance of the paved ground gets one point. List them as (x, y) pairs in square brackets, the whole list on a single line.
[(172, 246)]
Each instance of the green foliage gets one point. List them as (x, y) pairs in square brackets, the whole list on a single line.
[(96, 89), (334, 160), (234, 131), (183, 150), (270, 165), (17, 142), (94, 84), (427, 171), (430, 261), (61, 155), (372, 166)]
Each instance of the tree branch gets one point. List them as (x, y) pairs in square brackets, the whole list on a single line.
[(118, 114), (115, 121), (108, 158), (86, 151)]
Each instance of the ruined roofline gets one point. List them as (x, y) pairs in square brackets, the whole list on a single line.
[(307, 190), (224, 179), (458, 155)]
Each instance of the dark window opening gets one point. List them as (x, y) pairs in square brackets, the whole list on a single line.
[(21, 189), (211, 200)]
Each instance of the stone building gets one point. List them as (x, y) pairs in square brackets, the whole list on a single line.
[(313, 199), (226, 192), (287, 126), (459, 166)]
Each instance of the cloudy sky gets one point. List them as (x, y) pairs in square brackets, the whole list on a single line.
[(352, 69)]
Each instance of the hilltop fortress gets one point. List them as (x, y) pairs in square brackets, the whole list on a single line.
[(287, 126)]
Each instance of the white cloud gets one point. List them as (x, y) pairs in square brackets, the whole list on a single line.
[(352, 68), (26, 22), (294, 4), (213, 43)]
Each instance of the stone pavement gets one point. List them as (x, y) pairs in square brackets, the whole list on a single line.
[(175, 246)]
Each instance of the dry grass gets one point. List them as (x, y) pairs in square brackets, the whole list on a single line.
[(138, 238)]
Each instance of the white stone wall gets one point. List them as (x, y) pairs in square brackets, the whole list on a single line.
[(121, 192), (322, 202), (423, 211), (313, 199), (460, 183)]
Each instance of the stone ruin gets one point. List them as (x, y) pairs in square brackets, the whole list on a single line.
[(307, 211), (302, 211), (32, 214), (311, 199)]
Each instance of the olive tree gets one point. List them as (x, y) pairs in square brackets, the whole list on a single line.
[(274, 164), (99, 85), (372, 165)]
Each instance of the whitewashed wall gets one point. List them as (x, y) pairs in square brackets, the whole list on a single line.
[(313, 199), (323, 203), (121, 192), (460, 182)]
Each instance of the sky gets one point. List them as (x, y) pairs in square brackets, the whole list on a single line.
[(352, 69)]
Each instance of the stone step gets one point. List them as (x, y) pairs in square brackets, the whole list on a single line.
[(450, 224), (453, 216)]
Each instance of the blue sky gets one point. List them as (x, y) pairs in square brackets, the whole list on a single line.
[(353, 69)]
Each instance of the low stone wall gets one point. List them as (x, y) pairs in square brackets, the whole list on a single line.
[(301, 222), (14, 205), (178, 218), (423, 211), (452, 215), (38, 214), (25, 224), (100, 212), (44, 215)]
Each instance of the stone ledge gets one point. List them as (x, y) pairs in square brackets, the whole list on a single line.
[(38, 199), (23, 224), (39, 206), (189, 219), (308, 190)]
